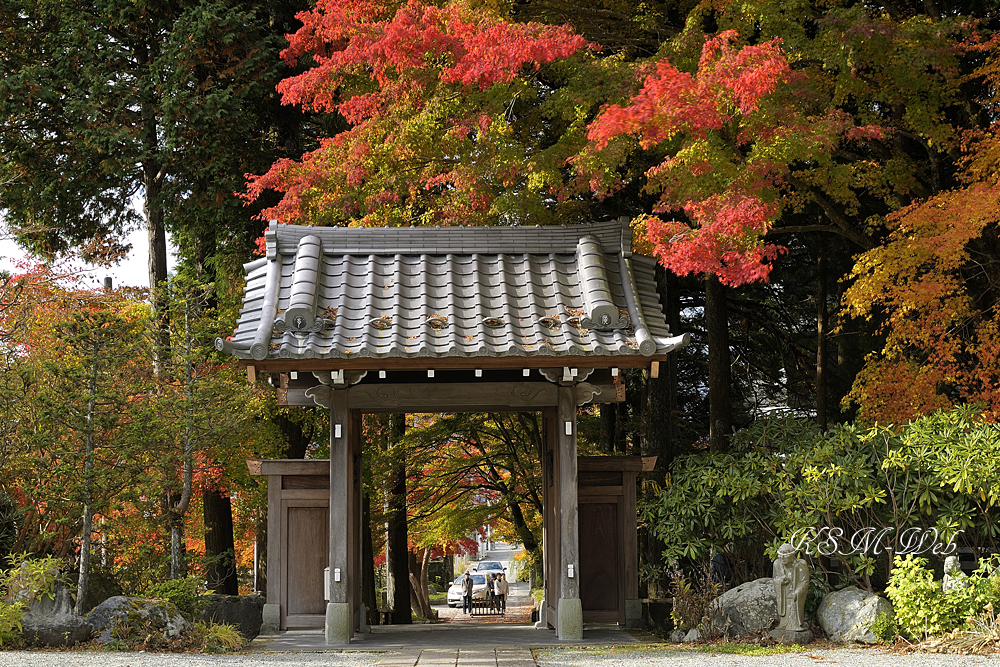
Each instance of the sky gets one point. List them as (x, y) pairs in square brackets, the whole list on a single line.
[(131, 272)]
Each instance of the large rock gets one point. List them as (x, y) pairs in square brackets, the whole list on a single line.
[(243, 611), (137, 612), (748, 609), (49, 621), (847, 615)]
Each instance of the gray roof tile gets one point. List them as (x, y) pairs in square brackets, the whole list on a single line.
[(447, 292)]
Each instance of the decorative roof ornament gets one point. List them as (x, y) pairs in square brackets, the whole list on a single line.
[(600, 311), (437, 322), (300, 315)]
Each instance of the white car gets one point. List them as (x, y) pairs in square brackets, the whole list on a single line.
[(490, 567), (478, 589)]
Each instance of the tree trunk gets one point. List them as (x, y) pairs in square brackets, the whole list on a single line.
[(83, 581), (821, 316), (396, 543), (220, 547), (719, 372), (419, 595), (178, 562), (157, 236), (178, 551)]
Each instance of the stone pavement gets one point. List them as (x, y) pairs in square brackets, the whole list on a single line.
[(465, 657), (447, 635)]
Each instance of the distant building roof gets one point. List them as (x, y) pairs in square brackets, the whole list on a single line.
[(343, 293)]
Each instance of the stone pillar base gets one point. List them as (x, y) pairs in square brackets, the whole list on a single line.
[(633, 614), (542, 624), (270, 619), (783, 636), (338, 623), (570, 613), (363, 616)]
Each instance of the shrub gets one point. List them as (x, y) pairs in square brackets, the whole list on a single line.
[(923, 609), (218, 637), (692, 599), (26, 580), (184, 593), (885, 628), (11, 615), (783, 475)]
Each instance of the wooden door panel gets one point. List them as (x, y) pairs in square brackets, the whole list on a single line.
[(600, 567), (307, 553)]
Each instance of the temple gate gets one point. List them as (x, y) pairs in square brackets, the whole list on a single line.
[(457, 319)]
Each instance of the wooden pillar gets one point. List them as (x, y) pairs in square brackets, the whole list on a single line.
[(339, 616), (553, 550), (630, 551), (570, 610), (550, 527), (272, 614), (354, 548)]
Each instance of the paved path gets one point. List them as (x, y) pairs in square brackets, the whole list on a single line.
[(445, 635), (519, 605), (466, 657)]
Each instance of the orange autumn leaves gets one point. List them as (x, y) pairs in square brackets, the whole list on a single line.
[(942, 335)]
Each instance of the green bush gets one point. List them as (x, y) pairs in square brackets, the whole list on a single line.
[(923, 609), (25, 580), (184, 593), (886, 628), (783, 475)]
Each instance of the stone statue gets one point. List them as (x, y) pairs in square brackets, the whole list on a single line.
[(953, 575), (791, 584)]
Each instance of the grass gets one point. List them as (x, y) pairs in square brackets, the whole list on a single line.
[(750, 649), (733, 648)]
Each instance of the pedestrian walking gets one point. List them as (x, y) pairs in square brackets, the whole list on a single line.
[(491, 598), (467, 594), (502, 588)]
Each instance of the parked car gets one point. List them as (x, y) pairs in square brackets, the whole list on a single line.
[(489, 567), (478, 589)]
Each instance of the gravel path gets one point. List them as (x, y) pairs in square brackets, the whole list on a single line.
[(548, 657), (598, 657), (103, 659)]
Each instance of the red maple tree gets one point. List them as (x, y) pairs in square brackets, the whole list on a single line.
[(732, 129), (396, 74)]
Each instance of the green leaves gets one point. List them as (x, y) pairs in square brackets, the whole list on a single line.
[(785, 475), (924, 609)]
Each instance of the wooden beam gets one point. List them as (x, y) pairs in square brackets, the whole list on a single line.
[(457, 397), (609, 463), (288, 466), (451, 363)]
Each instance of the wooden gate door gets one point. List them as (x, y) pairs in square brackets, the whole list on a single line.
[(306, 555), (601, 589)]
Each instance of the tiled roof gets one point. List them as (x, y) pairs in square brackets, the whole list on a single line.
[(333, 292)]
